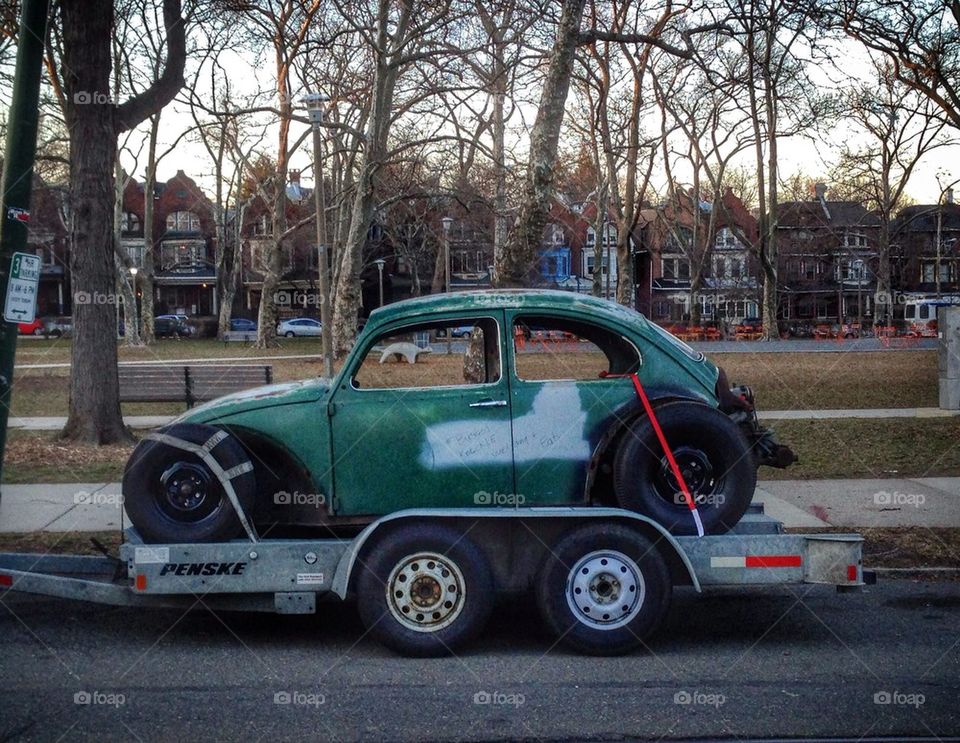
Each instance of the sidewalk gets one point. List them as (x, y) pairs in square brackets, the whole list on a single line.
[(931, 501), (55, 423)]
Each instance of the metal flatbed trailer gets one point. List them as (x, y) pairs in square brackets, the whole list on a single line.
[(601, 575)]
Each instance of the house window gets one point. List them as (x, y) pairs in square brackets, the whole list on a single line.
[(183, 221), (135, 254), (851, 270), (928, 272), (854, 240), (130, 222), (726, 240), (181, 254)]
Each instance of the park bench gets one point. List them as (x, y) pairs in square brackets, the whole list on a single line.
[(188, 383)]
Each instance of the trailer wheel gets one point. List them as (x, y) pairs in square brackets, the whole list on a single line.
[(713, 456), (171, 495), (604, 589), (424, 590)]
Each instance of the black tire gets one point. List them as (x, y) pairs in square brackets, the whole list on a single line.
[(55, 333), (289, 334), (172, 496), (712, 453), (604, 589), (424, 556)]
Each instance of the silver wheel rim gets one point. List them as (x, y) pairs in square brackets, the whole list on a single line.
[(605, 589), (426, 592)]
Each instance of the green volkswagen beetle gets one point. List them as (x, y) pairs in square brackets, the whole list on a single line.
[(539, 405)]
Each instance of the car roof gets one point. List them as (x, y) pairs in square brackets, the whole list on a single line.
[(534, 300)]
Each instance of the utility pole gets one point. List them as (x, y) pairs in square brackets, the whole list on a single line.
[(315, 103), (20, 152)]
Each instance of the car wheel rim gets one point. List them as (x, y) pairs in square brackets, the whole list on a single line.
[(426, 592), (187, 493), (605, 590), (698, 474)]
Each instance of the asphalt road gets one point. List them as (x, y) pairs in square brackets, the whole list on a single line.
[(741, 664)]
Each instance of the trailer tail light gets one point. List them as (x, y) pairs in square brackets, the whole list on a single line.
[(6, 580), (141, 582), (852, 573)]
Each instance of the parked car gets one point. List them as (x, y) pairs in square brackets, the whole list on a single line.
[(242, 325), (298, 327), (59, 327), (31, 328), (169, 326), (390, 438)]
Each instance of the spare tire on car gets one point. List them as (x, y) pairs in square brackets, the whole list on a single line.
[(174, 495), (713, 456)]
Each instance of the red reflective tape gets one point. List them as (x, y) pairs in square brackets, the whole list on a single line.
[(663, 442), (6, 581), (851, 572), (774, 561)]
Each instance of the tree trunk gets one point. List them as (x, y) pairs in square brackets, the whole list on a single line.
[(149, 265), (524, 241), (94, 400)]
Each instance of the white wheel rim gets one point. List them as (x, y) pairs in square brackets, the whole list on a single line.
[(605, 590), (426, 592)]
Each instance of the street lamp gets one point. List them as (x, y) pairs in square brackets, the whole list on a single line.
[(447, 221), (315, 103), (380, 263)]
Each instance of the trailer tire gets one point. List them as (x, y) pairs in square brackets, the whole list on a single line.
[(603, 589), (171, 495), (710, 449), (424, 590)]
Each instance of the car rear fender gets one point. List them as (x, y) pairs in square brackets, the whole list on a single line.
[(605, 448)]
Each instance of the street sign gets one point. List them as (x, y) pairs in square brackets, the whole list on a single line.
[(21, 301)]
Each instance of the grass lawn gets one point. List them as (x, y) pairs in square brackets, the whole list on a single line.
[(864, 448), (839, 448), (782, 381), (869, 448)]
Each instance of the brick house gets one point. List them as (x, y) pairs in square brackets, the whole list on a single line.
[(47, 237), (683, 232), (184, 230), (917, 263)]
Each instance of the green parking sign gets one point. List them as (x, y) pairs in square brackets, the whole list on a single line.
[(20, 304)]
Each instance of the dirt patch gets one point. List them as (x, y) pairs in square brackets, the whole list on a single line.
[(43, 457)]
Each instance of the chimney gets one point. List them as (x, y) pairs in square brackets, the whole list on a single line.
[(820, 189), (295, 177), (949, 196)]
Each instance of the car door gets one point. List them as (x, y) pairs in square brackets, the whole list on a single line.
[(421, 435), (561, 405)]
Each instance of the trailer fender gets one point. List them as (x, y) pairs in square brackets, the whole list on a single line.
[(350, 558)]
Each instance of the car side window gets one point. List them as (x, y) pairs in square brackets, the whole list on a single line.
[(417, 356), (559, 348)]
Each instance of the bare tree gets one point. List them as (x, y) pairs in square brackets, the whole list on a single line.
[(901, 127)]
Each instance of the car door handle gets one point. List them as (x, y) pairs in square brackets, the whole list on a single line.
[(489, 404)]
